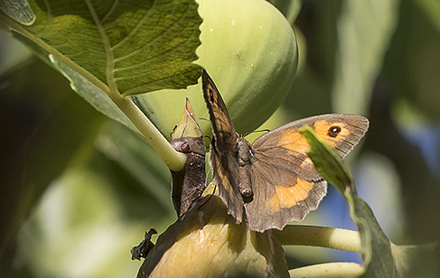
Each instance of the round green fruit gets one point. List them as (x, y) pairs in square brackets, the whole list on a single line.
[(249, 49)]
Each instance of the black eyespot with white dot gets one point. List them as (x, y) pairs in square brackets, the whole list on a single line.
[(333, 131), (211, 95)]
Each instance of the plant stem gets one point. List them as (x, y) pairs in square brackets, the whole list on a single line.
[(335, 238), (341, 270), (172, 158)]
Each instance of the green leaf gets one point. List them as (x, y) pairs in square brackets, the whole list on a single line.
[(289, 8), (330, 165), (413, 78), (19, 10), (43, 125), (92, 94), (376, 252), (123, 47), (364, 31), (432, 10), (140, 161), (376, 249)]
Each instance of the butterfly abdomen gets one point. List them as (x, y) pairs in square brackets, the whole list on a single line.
[(244, 161)]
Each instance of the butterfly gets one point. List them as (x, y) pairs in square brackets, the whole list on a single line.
[(273, 180)]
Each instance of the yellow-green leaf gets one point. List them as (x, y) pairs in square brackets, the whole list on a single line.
[(123, 47)]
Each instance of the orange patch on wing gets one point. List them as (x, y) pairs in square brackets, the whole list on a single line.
[(288, 197), (322, 127), (293, 140)]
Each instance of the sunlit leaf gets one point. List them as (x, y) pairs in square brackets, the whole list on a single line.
[(377, 254), (413, 59), (125, 47), (364, 31), (19, 10), (331, 166), (432, 9)]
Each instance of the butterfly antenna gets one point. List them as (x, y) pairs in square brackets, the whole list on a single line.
[(255, 131), (204, 119)]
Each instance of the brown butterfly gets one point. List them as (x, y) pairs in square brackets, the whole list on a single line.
[(273, 179)]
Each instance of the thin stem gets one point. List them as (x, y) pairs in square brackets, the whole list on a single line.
[(341, 270), (172, 158), (335, 238)]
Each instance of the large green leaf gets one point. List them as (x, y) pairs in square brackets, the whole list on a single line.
[(43, 125), (138, 159), (315, 28), (412, 63), (123, 47), (432, 10), (377, 253), (364, 31)]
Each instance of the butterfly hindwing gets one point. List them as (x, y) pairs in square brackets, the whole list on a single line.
[(287, 140), (288, 198)]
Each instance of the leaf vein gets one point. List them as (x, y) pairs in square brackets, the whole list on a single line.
[(150, 73), (136, 28), (152, 41), (109, 53), (144, 87), (110, 12), (49, 20), (146, 62)]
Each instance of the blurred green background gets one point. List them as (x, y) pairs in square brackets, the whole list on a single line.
[(78, 190)]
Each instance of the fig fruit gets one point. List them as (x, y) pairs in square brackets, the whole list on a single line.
[(250, 51)]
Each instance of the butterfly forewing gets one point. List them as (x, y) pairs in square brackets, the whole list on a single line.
[(223, 153), (226, 179), (223, 128)]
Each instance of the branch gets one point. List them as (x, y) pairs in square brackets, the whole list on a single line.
[(334, 238)]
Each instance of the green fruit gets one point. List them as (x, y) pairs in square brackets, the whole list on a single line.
[(208, 243), (249, 49)]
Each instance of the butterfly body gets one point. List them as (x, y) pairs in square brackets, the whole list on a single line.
[(273, 180)]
